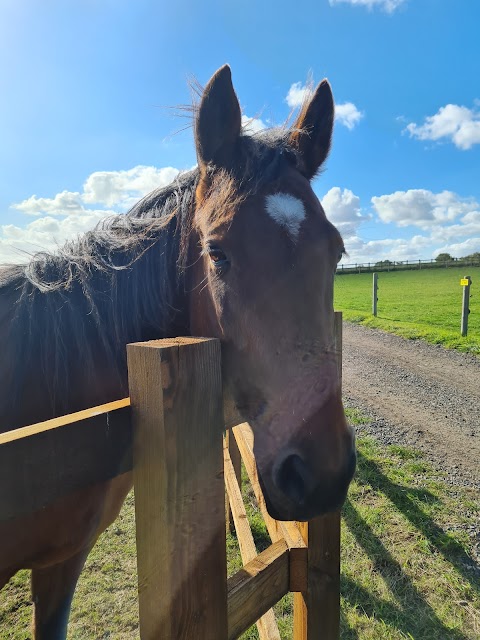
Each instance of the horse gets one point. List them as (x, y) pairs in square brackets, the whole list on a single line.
[(238, 249)]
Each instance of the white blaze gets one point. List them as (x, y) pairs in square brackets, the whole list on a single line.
[(287, 211)]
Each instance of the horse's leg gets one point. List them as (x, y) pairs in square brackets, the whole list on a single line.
[(52, 592)]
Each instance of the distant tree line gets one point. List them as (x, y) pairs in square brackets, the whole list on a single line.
[(446, 257)]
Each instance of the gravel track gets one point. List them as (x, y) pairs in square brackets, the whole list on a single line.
[(419, 395), (416, 394)]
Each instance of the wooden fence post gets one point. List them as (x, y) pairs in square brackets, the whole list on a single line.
[(317, 611), (177, 413), (375, 294)]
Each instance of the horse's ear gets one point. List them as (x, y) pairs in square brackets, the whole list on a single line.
[(218, 122), (312, 132)]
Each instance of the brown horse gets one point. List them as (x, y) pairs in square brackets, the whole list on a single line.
[(238, 249)]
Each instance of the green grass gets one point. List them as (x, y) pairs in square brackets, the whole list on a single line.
[(406, 561), (415, 304)]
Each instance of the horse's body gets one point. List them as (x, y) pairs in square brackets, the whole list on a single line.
[(238, 249)]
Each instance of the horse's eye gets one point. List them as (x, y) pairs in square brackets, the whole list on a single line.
[(218, 258)]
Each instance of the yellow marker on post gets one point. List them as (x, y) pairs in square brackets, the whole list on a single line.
[(464, 282)]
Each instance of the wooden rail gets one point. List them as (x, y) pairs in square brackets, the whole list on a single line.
[(170, 433), (43, 462), (253, 590)]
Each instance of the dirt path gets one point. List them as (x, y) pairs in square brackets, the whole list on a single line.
[(417, 394)]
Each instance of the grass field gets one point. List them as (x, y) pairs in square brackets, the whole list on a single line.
[(406, 562), (423, 304)]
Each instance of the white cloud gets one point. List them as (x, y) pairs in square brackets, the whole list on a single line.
[(343, 210), (449, 223), (17, 243), (473, 217), (123, 188), (458, 124), (252, 125), (422, 208), (296, 95), (386, 5), (460, 249), (119, 189), (348, 114), (64, 203), (395, 249), (69, 214), (345, 113), (454, 233)]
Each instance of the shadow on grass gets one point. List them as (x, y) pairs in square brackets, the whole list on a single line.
[(346, 631), (402, 497), (414, 616)]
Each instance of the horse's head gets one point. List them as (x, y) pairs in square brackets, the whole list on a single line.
[(264, 257)]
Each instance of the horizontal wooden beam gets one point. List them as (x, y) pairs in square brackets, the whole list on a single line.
[(43, 462), (257, 587), (62, 421)]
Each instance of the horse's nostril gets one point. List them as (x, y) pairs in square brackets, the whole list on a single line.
[(292, 478)]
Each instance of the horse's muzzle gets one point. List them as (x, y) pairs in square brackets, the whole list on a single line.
[(308, 494)]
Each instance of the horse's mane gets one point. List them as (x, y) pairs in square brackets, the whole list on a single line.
[(121, 282), (115, 284)]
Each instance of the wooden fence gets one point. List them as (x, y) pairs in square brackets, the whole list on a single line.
[(170, 432)]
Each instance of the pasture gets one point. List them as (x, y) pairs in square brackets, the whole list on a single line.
[(406, 561), (415, 304)]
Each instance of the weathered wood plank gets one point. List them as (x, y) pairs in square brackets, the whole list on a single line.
[(246, 543), (257, 587), (317, 611), (298, 569), (266, 625), (317, 608), (300, 614), (236, 459), (43, 462), (62, 421), (177, 413)]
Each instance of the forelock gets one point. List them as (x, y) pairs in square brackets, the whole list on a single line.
[(263, 158)]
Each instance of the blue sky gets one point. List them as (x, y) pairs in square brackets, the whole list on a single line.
[(86, 128)]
